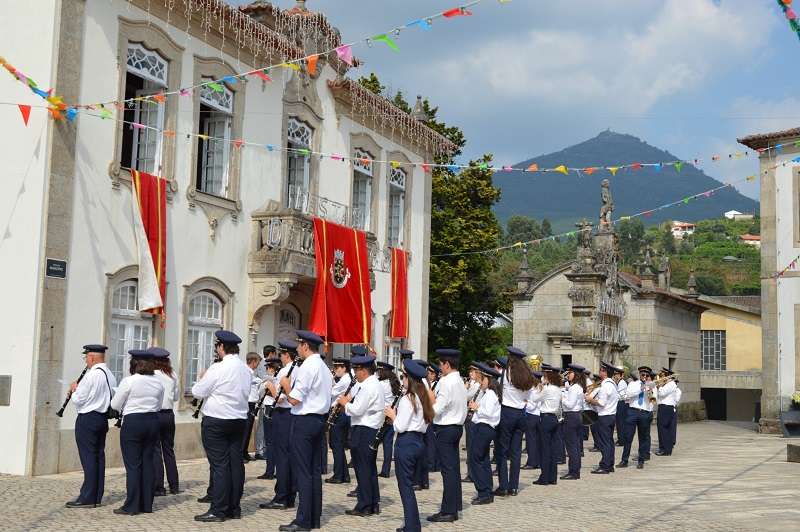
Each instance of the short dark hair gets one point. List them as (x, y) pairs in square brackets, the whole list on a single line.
[(142, 366), (268, 350), (253, 357), (230, 349)]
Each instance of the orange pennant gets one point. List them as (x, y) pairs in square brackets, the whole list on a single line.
[(238, 143), (590, 170), (311, 64), (160, 98), (533, 168)]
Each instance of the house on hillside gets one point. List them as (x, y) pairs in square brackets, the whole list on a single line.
[(736, 215), (751, 240), (682, 229)]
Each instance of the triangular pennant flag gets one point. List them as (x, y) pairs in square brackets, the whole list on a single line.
[(389, 42), (311, 64), (185, 92), (422, 24), (26, 112), (483, 166), (613, 169), (751, 178), (562, 169), (457, 12), (105, 113), (589, 170), (678, 166), (160, 98), (624, 218), (345, 53), (685, 201), (508, 168), (658, 167), (426, 168), (636, 166), (214, 86), (262, 75), (292, 66), (168, 133), (394, 164), (230, 80), (648, 214), (533, 168), (237, 143)]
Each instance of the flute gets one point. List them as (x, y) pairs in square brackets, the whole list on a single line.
[(60, 412)]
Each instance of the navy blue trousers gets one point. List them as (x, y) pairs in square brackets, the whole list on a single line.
[(285, 485), (269, 445), (164, 456), (388, 446), (478, 458), (430, 447), (366, 469), (324, 453), (622, 420), (511, 429), (251, 420), (573, 430), (223, 440), (637, 420), (548, 430), (137, 440), (409, 450), (666, 413), (533, 445), (674, 428), (421, 474), (338, 436), (90, 436), (468, 426), (305, 435), (561, 454), (604, 431), (448, 438)]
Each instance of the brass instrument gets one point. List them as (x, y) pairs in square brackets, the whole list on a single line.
[(661, 381), (269, 408), (535, 362), (592, 387)]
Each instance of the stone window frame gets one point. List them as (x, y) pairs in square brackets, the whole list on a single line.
[(152, 37), (405, 164), (228, 299), (301, 112), (217, 207), (366, 142)]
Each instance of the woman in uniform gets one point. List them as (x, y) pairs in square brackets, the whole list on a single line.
[(138, 399), (549, 398), (165, 446), (484, 425), (572, 405), (411, 419), (391, 389)]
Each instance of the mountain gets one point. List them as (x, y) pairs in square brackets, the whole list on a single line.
[(564, 200)]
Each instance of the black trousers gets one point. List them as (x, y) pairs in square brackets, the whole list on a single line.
[(338, 436), (90, 436), (448, 438), (622, 420), (364, 464), (573, 430), (251, 420), (547, 430), (269, 446), (164, 456), (305, 434), (637, 420), (478, 458), (666, 414), (561, 450), (510, 429), (468, 426), (137, 440), (222, 439), (285, 486), (388, 447), (408, 450), (604, 431), (533, 445)]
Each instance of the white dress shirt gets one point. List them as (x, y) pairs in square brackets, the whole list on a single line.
[(531, 406), (473, 387), (667, 395), (513, 397), (92, 393), (678, 395), (621, 387), (340, 386), (283, 372), (572, 400), (366, 408), (388, 396), (488, 411), (225, 389), (268, 399), (312, 387), (255, 387), (451, 400), (408, 419), (549, 398), (607, 398), (170, 385), (138, 394), (636, 394)]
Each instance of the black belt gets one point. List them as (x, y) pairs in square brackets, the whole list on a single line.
[(512, 408), (321, 416), (547, 414), (166, 411)]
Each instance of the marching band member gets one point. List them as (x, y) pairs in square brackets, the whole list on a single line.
[(253, 360), (548, 395), (421, 473), (164, 456), (224, 387), (517, 382), (532, 424), (667, 407), (138, 399), (606, 404), (390, 385), (267, 352), (639, 417), (92, 397), (434, 373), (309, 394), (473, 386), (273, 365), (587, 429), (281, 423), (560, 449), (450, 407), (572, 406), (500, 365), (365, 409), (485, 420), (338, 433), (678, 395), (414, 412), (622, 406)]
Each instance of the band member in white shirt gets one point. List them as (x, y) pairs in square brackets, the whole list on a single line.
[(622, 407), (138, 399), (165, 447), (390, 385), (516, 385), (366, 417), (533, 445), (450, 407), (473, 386), (224, 388), (414, 412), (422, 471), (338, 433), (605, 402), (667, 410), (548, 395), (92, 397), (572, 406), (253, 360), (485, 420), (273, 365), (678, 395), (638, 395)]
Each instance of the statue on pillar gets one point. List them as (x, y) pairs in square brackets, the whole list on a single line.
[(607, 208)]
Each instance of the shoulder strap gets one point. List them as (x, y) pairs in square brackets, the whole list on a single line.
[(108, 383)]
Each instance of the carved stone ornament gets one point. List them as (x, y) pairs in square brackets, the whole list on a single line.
[(581, 297), (122, 175)]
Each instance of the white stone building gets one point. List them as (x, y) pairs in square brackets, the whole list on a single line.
[(239, 241)]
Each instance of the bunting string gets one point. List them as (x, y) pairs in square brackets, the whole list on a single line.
[(789, 267), (791, 16)]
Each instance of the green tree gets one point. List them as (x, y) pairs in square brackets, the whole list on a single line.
[(520, 228), (711, 286), (547, 229), (372, 83), (631, 238), (666, 240)]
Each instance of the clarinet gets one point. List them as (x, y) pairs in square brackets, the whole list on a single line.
[(60, 412), (337, 408), (386, 424), (470, 413), (269, 408)]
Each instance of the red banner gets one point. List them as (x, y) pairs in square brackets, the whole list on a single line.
[(399, 327), (341, 310), (151, 193)]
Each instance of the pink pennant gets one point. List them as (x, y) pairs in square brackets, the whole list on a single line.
[(186, 92), (507, 169), (345, 53), (238, 143), (137, 125), (426, 168), (336, 157)]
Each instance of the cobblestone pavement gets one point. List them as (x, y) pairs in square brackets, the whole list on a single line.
[(721, 477)]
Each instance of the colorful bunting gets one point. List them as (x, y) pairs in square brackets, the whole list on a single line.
[(389, 42), (26, 112), (613, 169), (678, 166), (533, 168), (214, 86), (791, 16), (562, 169), (291, 66), (457, 12), (345, 53), (262, 75), (311, 64)]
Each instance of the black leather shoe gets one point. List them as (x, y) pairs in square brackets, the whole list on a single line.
[(540, 483), (527, 467), (79, 504), (265, 476), (175, 491), (561, 462), (594, 450), (662, 453), (600, 471), (442, 518), (622, 464), (237, 514), (640, 465), (333, 481), (258, 457), (513, 493), (376, 509), (247, 458), (205, 498), (477, 501), (420, 487), (500, 493), (120, 511), (271, 505), (292, 528), (357, 513), (160, 493), (208, 517), (353, 493), (466, 479), (383, 475)]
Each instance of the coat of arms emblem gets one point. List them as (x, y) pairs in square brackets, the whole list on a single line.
[(340, 273)]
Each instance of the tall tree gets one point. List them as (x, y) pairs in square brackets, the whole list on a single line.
[(631, 238), (372, 83), (520, 228), (547, 229)]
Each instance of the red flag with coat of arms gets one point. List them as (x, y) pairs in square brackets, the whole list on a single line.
[(399, 327), (150, 229), (341, 310)]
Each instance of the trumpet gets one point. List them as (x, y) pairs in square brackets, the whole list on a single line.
[(592, 387), (661, 381)]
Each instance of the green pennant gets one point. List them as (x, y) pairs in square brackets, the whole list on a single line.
[(388, 40), (214, 86), (686, 201), (678, 166), (483, 166)]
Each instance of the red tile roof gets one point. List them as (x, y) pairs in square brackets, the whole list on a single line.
[(763, 140)]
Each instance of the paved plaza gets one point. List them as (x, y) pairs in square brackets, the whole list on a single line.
[(721, 477)]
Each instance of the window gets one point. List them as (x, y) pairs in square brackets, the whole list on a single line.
[(216, 119), (566, 360), (397, 195), (288, 322), (146, 75), (299, 136), (129, 329), (392, 346), (362, 189), (713, 348), (672, 357), (204, 318)]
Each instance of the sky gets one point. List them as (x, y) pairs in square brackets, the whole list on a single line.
[(529, 77)]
